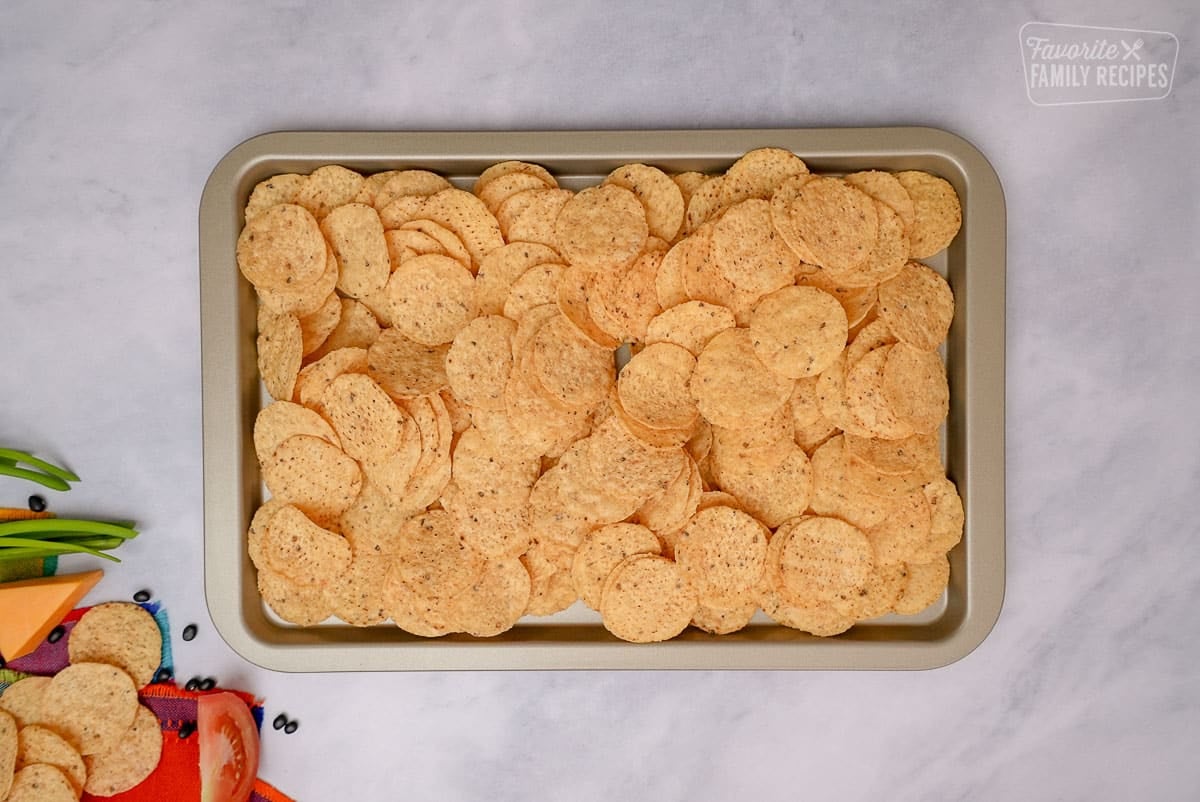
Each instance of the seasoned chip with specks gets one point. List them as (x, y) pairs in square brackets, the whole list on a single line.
[(302, 551), (23, 700), (914, 383), (37, 744), (313, 475), (432, 297), (758, 173), (601, 228), (732, 386), (91, 705), (302, 605), (405, 368), (328, 188), (281, 246), (658, 193), (120, 634), (748, 252), (280, 420), (917, 306), (280, 353), (798, 331), (356, 594), (480, 361), (925, 584), (273, 191), (937, 214), (131, 761), (653, 387), (722, 551), (647, 599), (601, 551), (366, 419)]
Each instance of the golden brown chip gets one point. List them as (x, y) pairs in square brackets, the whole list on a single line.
[(667, 512), (885, 187), (832, 492), (432, 298), (480, 361), (748, 252), (758, 173), (366, 419), (537, 286), (36, 744), (601, 228), (832, 399), (887, 257), (702, 280), (917, 305), (946, 517), (937, 214), (823, 561), (925, 585), (895, 457), (357, 327), (281, 246), (23, 700), (498, 190), (601, 551), (689, 325), (773, 483), (529, 216), (120, 634), (688, 182), (280, 420), (669, 289), (822, 620), (466, 216), (405, 368), (402, 184), (732, 387), (629, 466), (314, 476), (838, 223), (425, 616), (623, 302), (882, 588), (302, 605), (504, 266), (328, 188), (774, 432), (867, 401), (371, 186), (573, 290), (703, 204), (495, 529), (660, 196), (448, 242), (914, 384), (315, 328), (303, 300), (41, 783), (432, 558), (551, 586), (798, 331), (302, 551), (273, 191), (653, 387), (903, 534), (647, 599), (721, 551), (90, 704), (858, 302), (571, 368), (131, 761), (510, 167), (356, 594), (372, 524), (495, 601), (315, 378), (724, 620), (280, 352), (9, 746)]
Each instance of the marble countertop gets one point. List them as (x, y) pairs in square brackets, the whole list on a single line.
[(113, 114)]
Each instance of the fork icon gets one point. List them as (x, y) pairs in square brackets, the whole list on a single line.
[(1132, 50)]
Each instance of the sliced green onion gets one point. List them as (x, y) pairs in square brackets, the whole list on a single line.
[(53, 482), (28, 459), (62, 525)]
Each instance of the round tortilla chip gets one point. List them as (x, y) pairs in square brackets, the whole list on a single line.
[(120, 634), (748, 252), (732, 387), (917, 306), (502, 267), (495, 601), (432, 558), (41, 783), (529, 216), (316, 477), (914, 384), (9, 746), (722, 552), (925, 584), (903, 534), (316, 327), (327, 188), (798, 331), (866, 399), (367, 421), (823, 561), (947, 517), (36, 744), (647, 599), (315, 378), (724, 620), (601, 228), (273, 191), (886, 188), (571, 368), (302, 605), (669, 288), (91, 705), (356, 594), (670, 510), (405, 368), (773, 484), (704, 204), (281, 246), (551, 586), (622, 302), (834, 495), (418, 184), (510, 167), (601, 551), (837, 222), (466, 216), (653, 387), (357, 327), (424, 616), (498, 190), (302, 551), (480, 360), (937, 213), (280, 352), (23, 700), (688, 182), (658, 193), (302, 300), (131, 761), (758, 173), (574, 288), (690, 324), (537, 286), (432, 298), (355, 233)]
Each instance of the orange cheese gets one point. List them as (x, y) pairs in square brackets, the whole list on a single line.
[(29, 609)]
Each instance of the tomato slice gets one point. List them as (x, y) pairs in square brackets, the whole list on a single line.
[(228, 748)]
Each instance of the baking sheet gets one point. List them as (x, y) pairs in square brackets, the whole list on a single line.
[(974, 264)]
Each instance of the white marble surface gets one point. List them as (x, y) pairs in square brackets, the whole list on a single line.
[(112, 115)]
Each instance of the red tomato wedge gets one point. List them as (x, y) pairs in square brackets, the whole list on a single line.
[(228, 748)]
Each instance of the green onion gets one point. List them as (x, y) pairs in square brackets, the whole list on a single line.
[(14, 456), (45, 537)]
